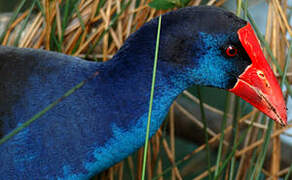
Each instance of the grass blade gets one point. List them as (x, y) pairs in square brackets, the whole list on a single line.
[(11, 20), (151, 99), (236, 116), (289, 172), (223, 126), (287, 61), (232, 153), (25, 23), (41, 113), (205, 132), (261, 157)]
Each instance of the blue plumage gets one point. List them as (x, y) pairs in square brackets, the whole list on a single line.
[(105, 120)]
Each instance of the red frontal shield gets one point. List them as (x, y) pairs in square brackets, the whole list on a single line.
[(258, 84)]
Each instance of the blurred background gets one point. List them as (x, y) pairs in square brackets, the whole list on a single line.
[(240, 143)]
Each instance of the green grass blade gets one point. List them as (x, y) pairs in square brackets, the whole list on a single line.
[(79, 17), (223, 126), (254, 155), (236, 116), (41, 8), (68, 13), (289, 172), (203, 116), (41, 113), (282, 82), (262, 155), (232, 153), (151, 100), (65, 16), (55, 40), (252, 162), (11, 20), (238, 8), (24, 23), (245, 9), (287, 61), (236, 113)]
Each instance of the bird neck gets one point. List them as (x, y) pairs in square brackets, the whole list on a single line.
[(124, 85), (129, 76), (131, 81)]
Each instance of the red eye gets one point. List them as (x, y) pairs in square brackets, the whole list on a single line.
[(231, 51)]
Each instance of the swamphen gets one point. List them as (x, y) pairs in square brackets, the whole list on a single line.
[(105, 120)]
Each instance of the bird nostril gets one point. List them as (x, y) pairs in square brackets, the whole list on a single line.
[(261, 74)]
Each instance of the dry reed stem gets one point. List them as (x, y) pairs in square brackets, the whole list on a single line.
[(220, 3), (256, 124), (131, 165), (90, 39), (140, 8), (73, 40), (195, 3), (159, 168), (112, 32), (139, 163), (215, 138), (196, 100), (119, 29), (94, 9), (111, 173), (276, 155), (277, 47), (47, 23), (283, 172), (245, 163), (40, 41), (148, 164), (121, 171), (281, 23), (58, 19), (12, 26), (211, 2), (265, 172), (130, 20), (106, 36), (84, 35), (282, 15), (155, 149), (31, 32), (170, 157), (172, 137), (194, 119), (205, 173), (259, 142), (84, 4), (141, 15)]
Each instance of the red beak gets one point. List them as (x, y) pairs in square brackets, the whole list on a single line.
[(258, 84)]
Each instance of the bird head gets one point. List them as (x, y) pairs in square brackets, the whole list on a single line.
[(213, 47)]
